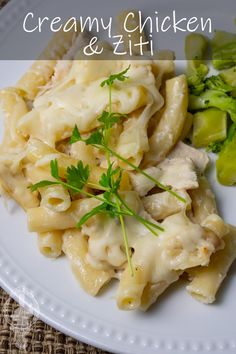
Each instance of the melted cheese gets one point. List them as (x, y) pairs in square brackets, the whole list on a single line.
[(183, 244), (69, 103), (74, 96)]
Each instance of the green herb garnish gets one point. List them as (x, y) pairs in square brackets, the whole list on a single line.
[(115, 77), (76, 177), (100, 139), (214, 147)]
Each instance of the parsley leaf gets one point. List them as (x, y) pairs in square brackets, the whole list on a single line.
[(90, 214), (120, 77), (105, 208), (112, 211), (55, 170), (42, 184), (109, 119), (75, 136), (111, 179), (45, 183), (77, 176), (96, 138), (104, 117)]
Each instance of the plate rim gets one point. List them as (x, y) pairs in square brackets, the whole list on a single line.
[(108, 338)]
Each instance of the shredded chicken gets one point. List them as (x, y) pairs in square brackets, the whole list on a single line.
[(179, 173), (162, 205), (199, 158)]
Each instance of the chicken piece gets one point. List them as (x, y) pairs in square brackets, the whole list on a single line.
[(179, 173), (200, 158), (203, 201), (162, 205), (141, 184)]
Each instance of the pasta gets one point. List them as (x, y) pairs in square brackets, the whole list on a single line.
[(172, 122), (55, 198), (14, 108), (75, 247), (50, 243), (207, 280), (42, 70), (131, 288), (40, 154), (42, 219), (93, 153)]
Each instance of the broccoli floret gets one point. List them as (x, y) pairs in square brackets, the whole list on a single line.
[(214, 98), (226, 163), (195, 49), (215, 147), (224, 50), (229, 77), (231, 132), (217, 83), (196, 79), (209, 126), (228, 52)]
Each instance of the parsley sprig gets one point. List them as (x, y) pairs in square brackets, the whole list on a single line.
[(116, 77), (111, 180), (100, 137), (97, 140), (75, 180), (77, 177)]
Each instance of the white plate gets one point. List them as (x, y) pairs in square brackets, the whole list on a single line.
[(175, 324)]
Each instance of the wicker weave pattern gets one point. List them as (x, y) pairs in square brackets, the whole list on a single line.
[(41, 338), (3, 2)]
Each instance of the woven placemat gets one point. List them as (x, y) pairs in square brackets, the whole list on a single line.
[(20, 338), (3, 2), (21, 334)]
